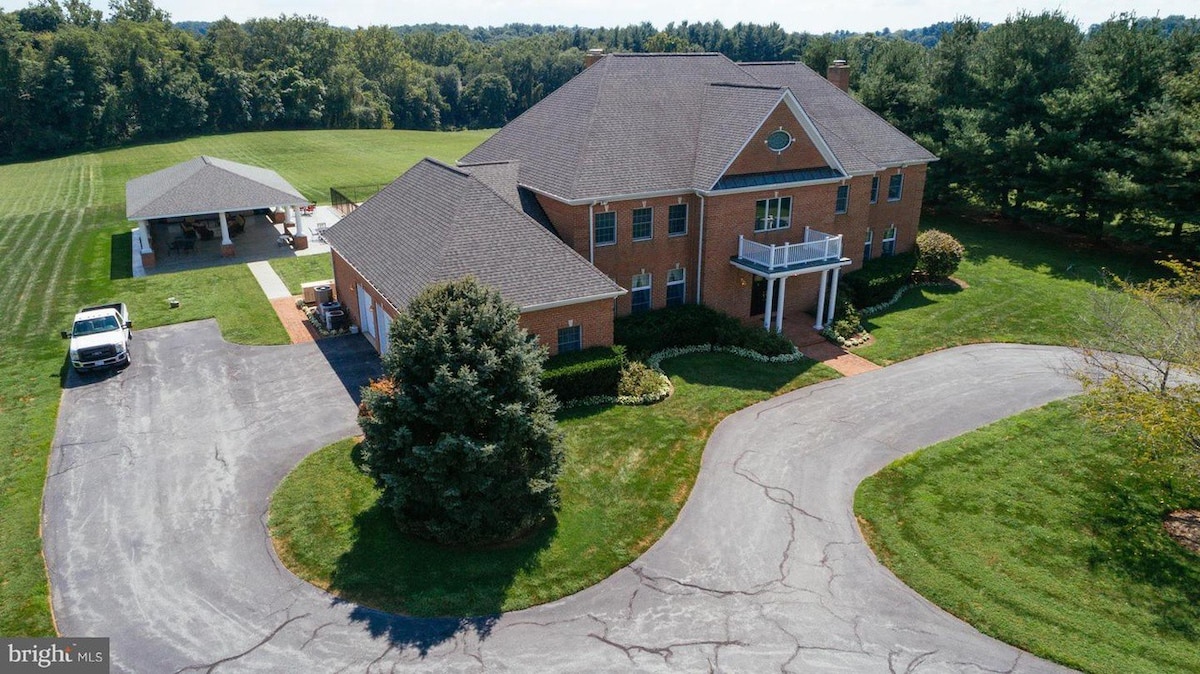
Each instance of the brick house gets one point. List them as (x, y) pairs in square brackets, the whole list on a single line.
[(683, 177)]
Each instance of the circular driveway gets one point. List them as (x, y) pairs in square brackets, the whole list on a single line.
[(155, 534)]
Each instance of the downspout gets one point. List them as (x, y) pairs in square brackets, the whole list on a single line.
[(700, 254), (591, 233)]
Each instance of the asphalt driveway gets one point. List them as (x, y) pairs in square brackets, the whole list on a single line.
[(154, 526)]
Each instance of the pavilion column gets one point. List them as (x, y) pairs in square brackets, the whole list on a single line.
[(820, 324), (299, 239), (770, 297), (147, 251), (227, 249), (833, 295), (779, 313)]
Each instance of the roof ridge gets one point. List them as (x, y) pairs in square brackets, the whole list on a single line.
[(737, 85), (444, 165), (497, 162), (656, 54)]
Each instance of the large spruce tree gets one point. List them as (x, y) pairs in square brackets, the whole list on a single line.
[(459, 434)]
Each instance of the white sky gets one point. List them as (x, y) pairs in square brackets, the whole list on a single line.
[(793, 15)]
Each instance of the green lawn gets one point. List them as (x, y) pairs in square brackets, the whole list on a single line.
[(65, 242), (1024, 287), (297, 270), (628, 471), (1041, 531)]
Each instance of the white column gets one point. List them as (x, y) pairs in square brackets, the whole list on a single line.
[(767, 310), (225, 240), (833, 295), (779, 314), (289, 217), (820, 324), (144, 233), (299, 222)]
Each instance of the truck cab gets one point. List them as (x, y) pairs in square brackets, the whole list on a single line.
[(100, 337)]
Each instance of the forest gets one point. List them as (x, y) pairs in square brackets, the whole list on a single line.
[(1092, 130)]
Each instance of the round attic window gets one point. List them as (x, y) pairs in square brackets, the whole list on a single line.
[(779, 140)]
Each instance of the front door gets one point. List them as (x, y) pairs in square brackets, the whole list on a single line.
[(758, 297)]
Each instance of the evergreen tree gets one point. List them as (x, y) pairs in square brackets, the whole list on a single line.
[(459, 434)]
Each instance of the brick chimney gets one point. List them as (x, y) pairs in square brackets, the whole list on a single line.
[(839, 74), (590, 58)]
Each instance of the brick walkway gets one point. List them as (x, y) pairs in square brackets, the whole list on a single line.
[(812, 344), (294, 321)]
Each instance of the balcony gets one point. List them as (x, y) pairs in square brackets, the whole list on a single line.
[(817, 250)]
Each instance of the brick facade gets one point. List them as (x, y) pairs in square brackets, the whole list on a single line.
[(756, 157), (594, 317)]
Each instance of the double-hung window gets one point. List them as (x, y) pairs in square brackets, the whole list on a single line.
[(605, 227), (895, 187), (843, 199), (639, 293), (867, 245), (874, 189), (677, 220), (889, 241), (773, 214), (676, 287), (643, 224), (570, 339)]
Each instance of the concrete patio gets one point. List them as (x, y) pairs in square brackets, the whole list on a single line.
[(259, 241)]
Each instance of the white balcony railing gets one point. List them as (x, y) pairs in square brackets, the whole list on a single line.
[(817, 247)]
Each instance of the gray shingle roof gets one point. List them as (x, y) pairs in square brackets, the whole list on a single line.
[(439, 223), (206, 185), (639, 123)]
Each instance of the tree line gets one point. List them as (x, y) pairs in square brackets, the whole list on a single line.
[(1088, 127)]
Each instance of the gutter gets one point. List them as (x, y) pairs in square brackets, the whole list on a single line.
[(574, 300)]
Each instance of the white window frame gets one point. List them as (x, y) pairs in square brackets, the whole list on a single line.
[(840, 208), (867, 244), (670, 221), (634, 288), (896, 181), (874, 189), (558, 336), (772, 220), (680, 281), (888, 248), (596, 230), (633, 225)]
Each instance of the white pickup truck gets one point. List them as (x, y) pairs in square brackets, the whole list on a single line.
[(100, 337)]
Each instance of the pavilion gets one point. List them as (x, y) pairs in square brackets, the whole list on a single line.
[(188, 194)]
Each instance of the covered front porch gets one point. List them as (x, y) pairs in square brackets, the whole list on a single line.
[(819, 253)]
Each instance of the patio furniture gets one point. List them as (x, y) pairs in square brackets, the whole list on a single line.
[(182, 245), (319, 231)]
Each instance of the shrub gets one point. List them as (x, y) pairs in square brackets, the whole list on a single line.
[(459, 434), (583, 374), (880, 278), (938, 254), (690, 325), (847, 322), (639, 380)]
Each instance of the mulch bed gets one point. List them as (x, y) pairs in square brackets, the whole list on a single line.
[(1184, 527)]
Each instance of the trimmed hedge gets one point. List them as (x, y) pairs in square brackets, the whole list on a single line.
[(583, 374), (879, 279), (690, 325)]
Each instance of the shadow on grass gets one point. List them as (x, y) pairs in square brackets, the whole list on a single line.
[(412, 592), (1126, 520), (121, 256), (1070, 259)]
